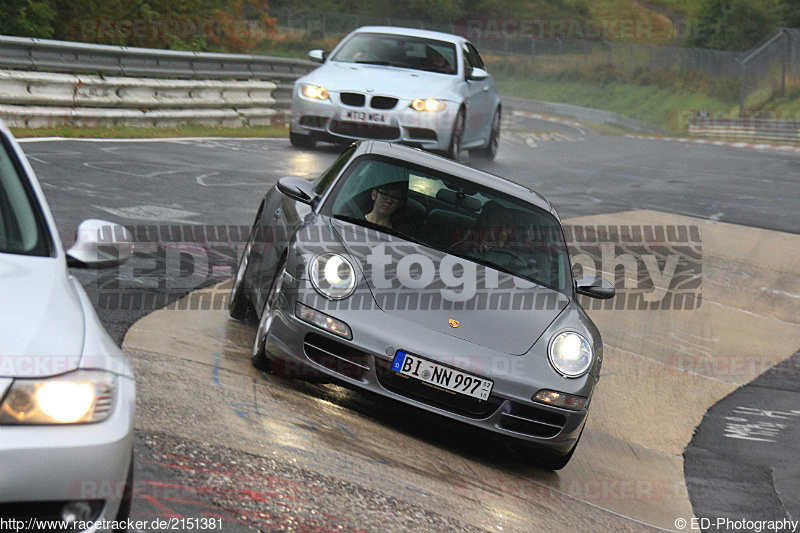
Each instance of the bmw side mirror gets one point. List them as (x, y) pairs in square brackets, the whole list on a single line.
[(477, 74), (297, 189), (318, 56), (595, 287), (100, 244)]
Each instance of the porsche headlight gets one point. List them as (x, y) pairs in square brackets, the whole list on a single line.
[(333, 276), (314, 92), (570, 354), (428, 104), (77, 397)]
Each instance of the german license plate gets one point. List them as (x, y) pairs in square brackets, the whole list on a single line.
[(442, 377), (369, 117)]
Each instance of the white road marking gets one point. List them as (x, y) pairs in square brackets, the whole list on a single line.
[(150, 212), (201, 180), (99, 165), (782, 293)]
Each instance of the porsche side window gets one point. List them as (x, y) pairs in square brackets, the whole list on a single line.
[(324, 181), (425, 185), (354, 196)]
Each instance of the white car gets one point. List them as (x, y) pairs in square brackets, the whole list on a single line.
[(421, 88), (66, 390)]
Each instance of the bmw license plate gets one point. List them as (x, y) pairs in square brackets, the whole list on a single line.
[(369, 117), (442, 377)]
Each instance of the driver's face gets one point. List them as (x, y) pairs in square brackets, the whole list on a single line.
[(387, 200)]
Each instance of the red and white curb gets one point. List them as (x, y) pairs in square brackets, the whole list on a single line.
[(754, 146)]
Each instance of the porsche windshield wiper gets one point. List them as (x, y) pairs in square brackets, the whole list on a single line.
[(501, 269), (383, 229)]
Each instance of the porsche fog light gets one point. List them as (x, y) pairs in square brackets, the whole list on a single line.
[(77, 397), (333, 276), (321, 320), (560, 399), (570, 354), (314, 92), (429, 104)]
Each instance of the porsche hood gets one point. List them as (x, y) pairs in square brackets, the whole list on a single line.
[(452, 295)]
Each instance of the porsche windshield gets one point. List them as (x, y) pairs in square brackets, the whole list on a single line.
[(453, 215), (399, 51)]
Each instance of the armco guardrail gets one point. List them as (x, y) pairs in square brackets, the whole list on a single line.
[(583, 114), (41, 99), (115, 85), (20, 53), (747, 129)]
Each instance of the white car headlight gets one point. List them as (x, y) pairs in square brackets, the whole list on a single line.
[(82, 396), (428, 104), (333, 276), (570, 354), (314, 92)]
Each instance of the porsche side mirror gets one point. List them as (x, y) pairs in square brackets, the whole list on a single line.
[(298, 189), (595, 287)]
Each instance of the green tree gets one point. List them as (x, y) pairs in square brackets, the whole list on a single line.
[(27, 18), (202, 25), (735, 24)]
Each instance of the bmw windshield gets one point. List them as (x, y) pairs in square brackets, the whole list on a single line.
[(399, 51)]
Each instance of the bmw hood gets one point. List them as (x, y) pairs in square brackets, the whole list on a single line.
[(42, 318), (402, 83), (451, 295)]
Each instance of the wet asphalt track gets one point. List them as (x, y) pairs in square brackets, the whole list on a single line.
[(219, 182)]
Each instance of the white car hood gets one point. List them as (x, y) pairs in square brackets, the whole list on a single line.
[(402, 83), (41, 319)]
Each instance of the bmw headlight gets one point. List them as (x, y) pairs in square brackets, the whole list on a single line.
[(77, 397), (333, 276), (570, 354), (314, 92), (428, 104)]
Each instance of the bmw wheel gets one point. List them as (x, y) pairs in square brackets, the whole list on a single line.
[(454, 152), (302, 141), (489, 152)]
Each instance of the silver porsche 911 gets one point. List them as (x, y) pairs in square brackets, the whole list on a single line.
[(446, 288), (426, 89)]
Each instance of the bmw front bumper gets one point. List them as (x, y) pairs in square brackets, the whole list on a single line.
[(332, 120), (46, 464)]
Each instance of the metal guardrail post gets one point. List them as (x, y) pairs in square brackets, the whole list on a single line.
[(785, 61), (742, 87)]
